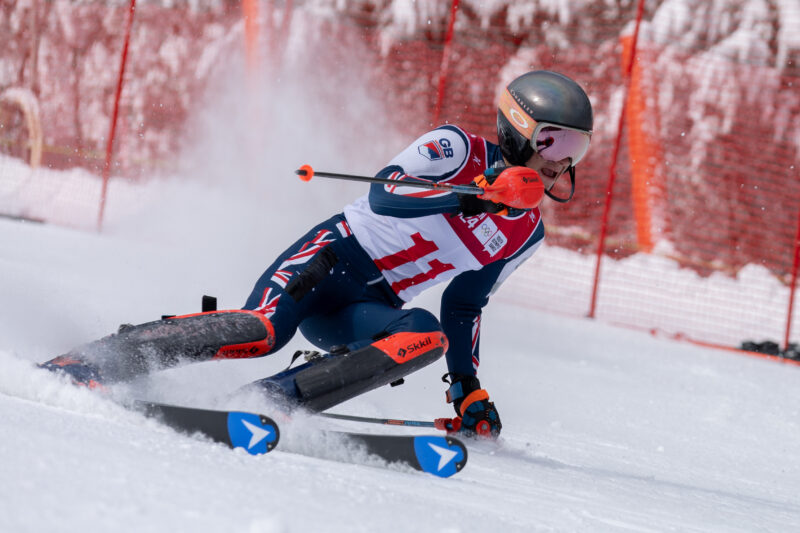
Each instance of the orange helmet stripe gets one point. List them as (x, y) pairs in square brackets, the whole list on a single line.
[(517, 116)]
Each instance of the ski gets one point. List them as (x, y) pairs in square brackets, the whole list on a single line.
[(255, 433), (259, 434), (437, 455)]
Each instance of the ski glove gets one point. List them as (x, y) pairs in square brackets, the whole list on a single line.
[(473, 204), (518, 187), (477, 415), (511, 187)]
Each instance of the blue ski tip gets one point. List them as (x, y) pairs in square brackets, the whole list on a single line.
[(440, 456), (255, 433)]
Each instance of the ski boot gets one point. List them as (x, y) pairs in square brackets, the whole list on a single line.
[(330, 379), (81, 373)]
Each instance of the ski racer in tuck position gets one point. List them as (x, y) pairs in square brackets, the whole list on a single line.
[(345, 282)]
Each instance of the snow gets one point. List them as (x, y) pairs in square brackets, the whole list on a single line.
[(604, 429)]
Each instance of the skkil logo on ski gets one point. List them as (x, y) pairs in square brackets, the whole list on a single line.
[(440, 456), (251, 432)]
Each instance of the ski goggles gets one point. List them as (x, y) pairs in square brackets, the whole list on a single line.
[(553, 142)]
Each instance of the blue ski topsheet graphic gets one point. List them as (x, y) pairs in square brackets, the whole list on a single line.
[(440, 456), (251, 432)]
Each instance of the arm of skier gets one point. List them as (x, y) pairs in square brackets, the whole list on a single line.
[(462, 307), (436, 157), (408, 202)]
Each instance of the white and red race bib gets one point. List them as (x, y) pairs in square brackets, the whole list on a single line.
[(416, 253)]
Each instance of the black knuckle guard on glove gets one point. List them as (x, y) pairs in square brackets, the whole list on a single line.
[(471, 205)]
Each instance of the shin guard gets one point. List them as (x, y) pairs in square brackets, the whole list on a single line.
[(137, 350), (333, 379)]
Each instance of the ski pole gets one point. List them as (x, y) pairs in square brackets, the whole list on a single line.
[(306, 173), (384, 421)]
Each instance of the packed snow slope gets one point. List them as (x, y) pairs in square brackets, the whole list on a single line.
[(604, 429)]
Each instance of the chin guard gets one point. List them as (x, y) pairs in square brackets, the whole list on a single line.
[(571, 192)]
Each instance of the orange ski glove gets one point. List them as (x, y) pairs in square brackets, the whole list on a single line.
[(517, 187), (478, 416)]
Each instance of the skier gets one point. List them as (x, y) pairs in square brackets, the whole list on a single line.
[(345, 282)]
